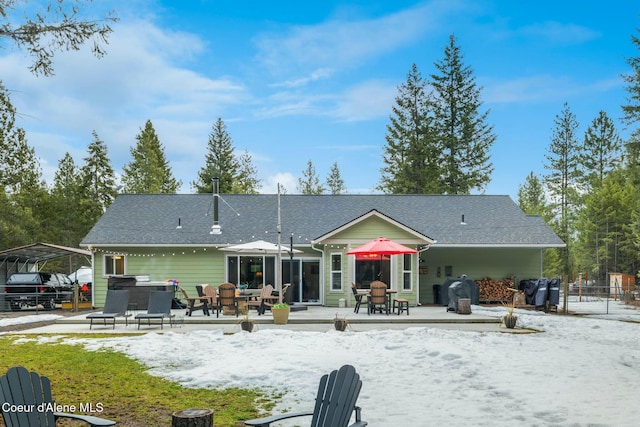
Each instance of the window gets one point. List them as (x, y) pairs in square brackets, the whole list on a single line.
[(251, 271), (406, 272), (114, 265), (336, 272)]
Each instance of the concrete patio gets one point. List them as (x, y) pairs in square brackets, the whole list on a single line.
[(315, 318)]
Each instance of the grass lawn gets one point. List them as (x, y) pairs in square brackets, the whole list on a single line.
[(127, 393)]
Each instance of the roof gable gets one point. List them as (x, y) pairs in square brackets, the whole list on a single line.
[(362, 227)]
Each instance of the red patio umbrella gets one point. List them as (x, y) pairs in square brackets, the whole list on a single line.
[(382, 246), (378, 248), (371, 257)]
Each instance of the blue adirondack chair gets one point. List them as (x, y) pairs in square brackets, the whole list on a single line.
[(25, 400), (335, 402)]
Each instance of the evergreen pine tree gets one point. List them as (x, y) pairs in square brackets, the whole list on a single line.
[(411, 155), (149, 170), (564, 175), (531, 197), (335, 181), (464, 136), (66, 196), (98, 182), (247, 181), (604, 240), (601, 150), (532, 201), (220, 162), (309, 183), (43, 29), (20, 181), (11, 140), (631, 110)]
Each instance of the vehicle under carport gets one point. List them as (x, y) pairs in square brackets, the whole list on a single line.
[(32, 258)]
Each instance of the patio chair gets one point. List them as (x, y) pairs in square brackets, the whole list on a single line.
[(358, 297), (21, 387), (261, 300), (115, 305), (335, 402), (227, 297), (378, 299), (159, 308), (286, 294), (191, 301), (212, 298)]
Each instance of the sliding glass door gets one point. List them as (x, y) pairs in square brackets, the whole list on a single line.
[(304, 276)]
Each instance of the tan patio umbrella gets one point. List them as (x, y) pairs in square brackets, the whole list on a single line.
[(258, 247), (263, 247)]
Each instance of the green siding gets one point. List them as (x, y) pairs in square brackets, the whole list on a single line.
[(476, 263), (372, 228), (365, 230), (190, 266), (193, 266), (331, 297)]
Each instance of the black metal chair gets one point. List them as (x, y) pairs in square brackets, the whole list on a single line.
[(358, 297), (335, 402), (21, 387)]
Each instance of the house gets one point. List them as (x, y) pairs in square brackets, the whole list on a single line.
[(179, 236)]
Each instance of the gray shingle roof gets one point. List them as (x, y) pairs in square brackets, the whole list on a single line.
[(152, 219)]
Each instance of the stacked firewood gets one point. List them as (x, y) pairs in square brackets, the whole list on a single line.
[(496, 290)]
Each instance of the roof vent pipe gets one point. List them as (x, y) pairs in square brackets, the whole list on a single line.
[(462, 222), (215, 228)]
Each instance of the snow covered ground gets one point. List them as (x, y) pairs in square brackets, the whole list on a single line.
[(579, 371), (29, 318)]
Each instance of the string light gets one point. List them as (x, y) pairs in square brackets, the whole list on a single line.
[(170, 251), (146, 254)]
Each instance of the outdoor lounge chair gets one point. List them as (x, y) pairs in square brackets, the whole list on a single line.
[(115, 305), (191, 302), (227, 297), (273, 299), (159, 308), (21, 387), (335, 402), (378, 299), (266, 296), (212, 298)]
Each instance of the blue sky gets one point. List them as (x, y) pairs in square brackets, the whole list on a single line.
[(316, 80)]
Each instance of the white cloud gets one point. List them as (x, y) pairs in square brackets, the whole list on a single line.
[(344, 43), (557, 32), (319, 74), (140, 78), (365, 101), (542, 88), (285, 179)]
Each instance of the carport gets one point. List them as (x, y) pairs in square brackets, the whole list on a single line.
[(34, 257)]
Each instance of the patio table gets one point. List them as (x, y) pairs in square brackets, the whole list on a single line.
[(390, 293)]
